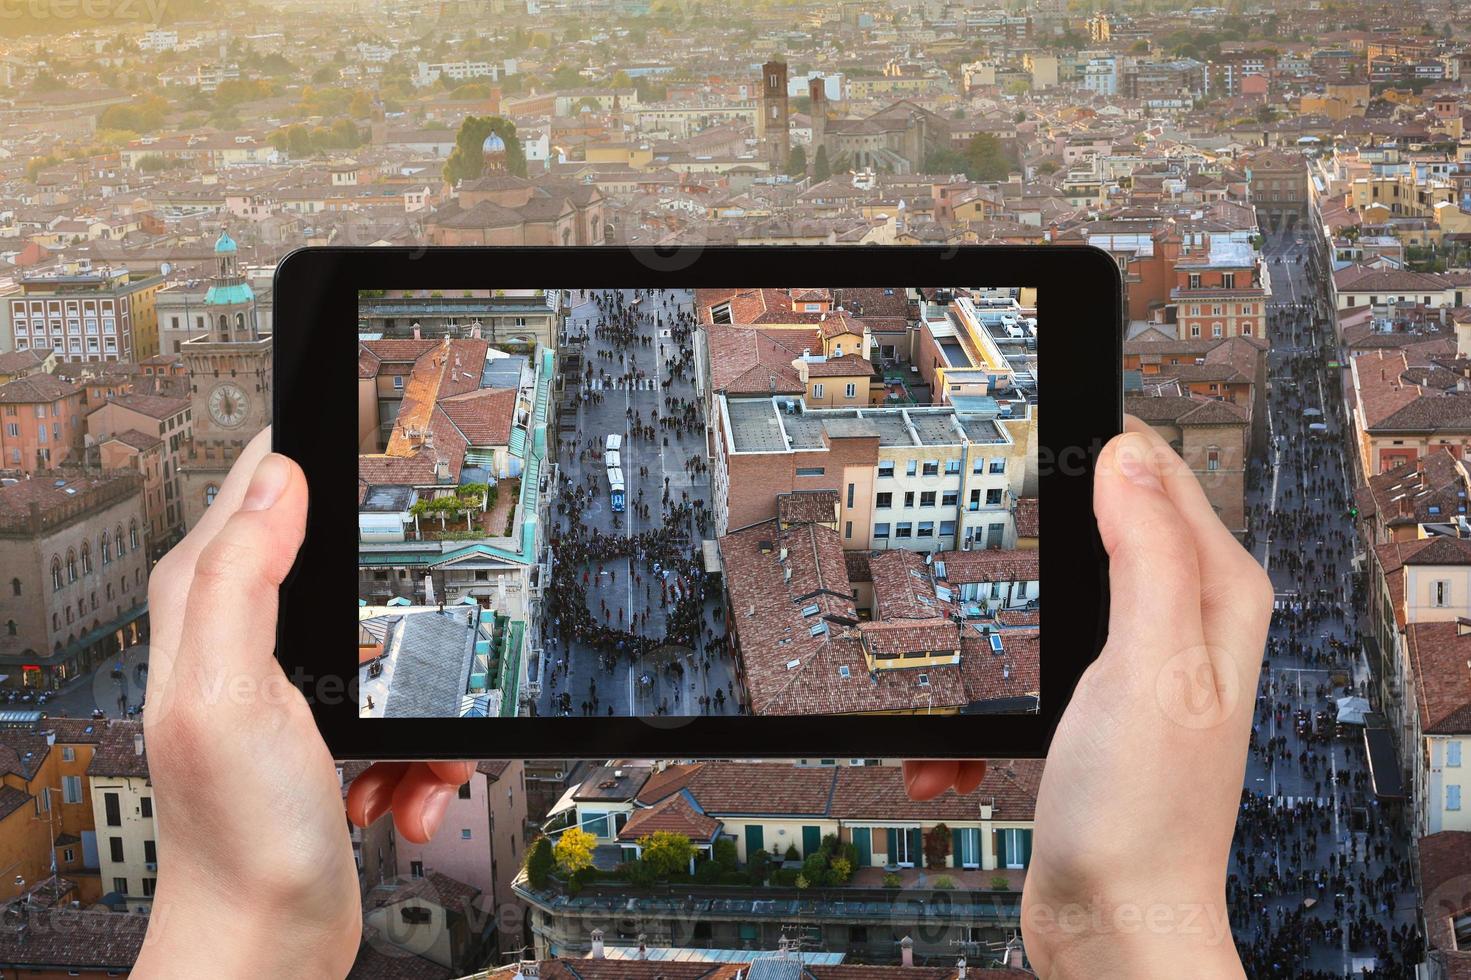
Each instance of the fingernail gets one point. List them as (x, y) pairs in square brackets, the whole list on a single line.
[(1133, 457), (375, 807), (432, 812), (267, 483)]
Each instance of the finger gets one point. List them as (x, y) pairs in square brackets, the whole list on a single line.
[(371, 794), (925, 779), (419, 803), (230, 618), (455, 773), (1235, 592), (1154, 573), (168, 584), (968, 779)]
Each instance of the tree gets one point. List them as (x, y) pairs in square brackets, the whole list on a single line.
[(936, 846), (574, 850), (540, 862), (797, 162), (987, 159), (467, 160), (820, 169), (724, 854), (945, 161), (667, 853)]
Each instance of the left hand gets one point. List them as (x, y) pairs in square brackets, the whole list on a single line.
[(256, 870)]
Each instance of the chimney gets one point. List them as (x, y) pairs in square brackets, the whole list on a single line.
[(416, 331), (960, 969), (597, 944), (138, 743), (906, 951), (643, 949)]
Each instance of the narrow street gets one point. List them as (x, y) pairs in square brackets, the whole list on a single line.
[(626, 385), (1320, 879)]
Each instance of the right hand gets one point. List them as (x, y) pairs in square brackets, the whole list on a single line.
[(1138, 800)]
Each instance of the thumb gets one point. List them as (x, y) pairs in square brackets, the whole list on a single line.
[(1154, 571), (229, 633)]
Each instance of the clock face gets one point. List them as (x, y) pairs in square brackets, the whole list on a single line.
[(227, 405)]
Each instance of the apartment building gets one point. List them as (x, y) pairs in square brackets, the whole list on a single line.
[(481, 843), (87, 314), (790, 813), (41, 423), (929, 479), (1221, 291), (72, 548), (149, 433), (122, 809)]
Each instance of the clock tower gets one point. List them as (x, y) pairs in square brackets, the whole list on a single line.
[(229, 382)]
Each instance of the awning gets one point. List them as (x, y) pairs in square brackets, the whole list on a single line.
[(1384, 771), (1351, 710)]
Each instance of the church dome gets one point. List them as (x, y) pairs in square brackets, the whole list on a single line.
[(225, 245), (493, 144)]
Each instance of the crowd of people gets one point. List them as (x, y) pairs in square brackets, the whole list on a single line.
[(1319, 867), (662, 626)]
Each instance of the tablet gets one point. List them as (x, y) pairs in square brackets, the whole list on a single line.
[(714, 502)]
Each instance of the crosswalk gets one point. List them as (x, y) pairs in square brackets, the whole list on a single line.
[(619, 384)]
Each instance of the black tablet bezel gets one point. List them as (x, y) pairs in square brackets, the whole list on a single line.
[(1080, 303)]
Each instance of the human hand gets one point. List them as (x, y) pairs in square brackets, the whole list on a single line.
[(1138, 800), (925, 779), (416, 793), (256, 871)]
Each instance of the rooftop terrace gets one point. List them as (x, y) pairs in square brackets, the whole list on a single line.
[(781, 424)]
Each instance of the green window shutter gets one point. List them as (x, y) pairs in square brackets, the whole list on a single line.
[(1026, 836), (957, 845), (811, 840), (1000, 848), (893, 845), (916, 846), (755, 839), (863, 840)]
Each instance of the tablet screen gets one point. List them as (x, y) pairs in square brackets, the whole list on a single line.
[(703, 501)]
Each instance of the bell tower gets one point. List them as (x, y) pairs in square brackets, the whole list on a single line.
[(773, 126), (229, 381)]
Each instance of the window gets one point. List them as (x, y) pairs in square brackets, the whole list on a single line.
[(975, 499), (926, 529), (1453, 753), (817, 391), (1440, 591), (911, 468), (952, 467), (398, 382), (133, 534), (904, 530), (811, 470), (851, 390), (998, 466), (464, 791), (15, 586), (68, 855), (949, 498), (148, 885), (210, 492), (932, 467), (68, 754), (595, 824), (881, 530), (850, 495), (993, 497), (464, 833), (947, 529), (884, 500), (120, 885), (116, 844), (106, 547), (145, 804), (1453, 797), (848, 529), (416, 869), (979, 466), (909, 498), (150, 852), (927, 498), (71, 789), (886, 469), (55, 574), (1213, 459)]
